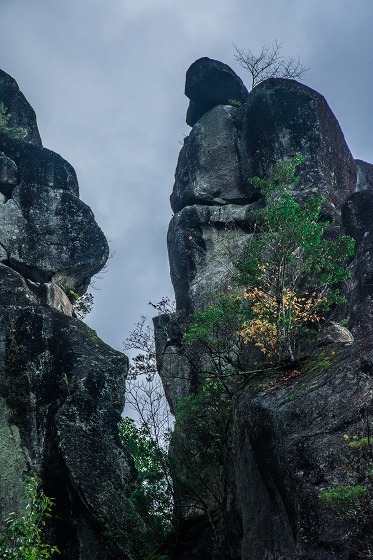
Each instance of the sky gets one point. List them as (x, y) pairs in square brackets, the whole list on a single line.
[(106, 79)]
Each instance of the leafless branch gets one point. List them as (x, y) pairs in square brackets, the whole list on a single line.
[(269, 63)]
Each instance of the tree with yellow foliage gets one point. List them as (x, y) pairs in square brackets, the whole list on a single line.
[(288, 275)]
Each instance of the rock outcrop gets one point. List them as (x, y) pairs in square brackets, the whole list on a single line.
[(286, 444), (229, 145), (61, 387), (210, 83)]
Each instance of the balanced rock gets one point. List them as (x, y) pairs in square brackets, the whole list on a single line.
[(210, 83)]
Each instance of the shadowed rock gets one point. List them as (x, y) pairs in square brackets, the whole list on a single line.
[(203, 243), (364, 181), (210, 83), (61, 388), (209, 169), (15, 104), (283, 117), (50, 233), (357, 214), (285, 445)]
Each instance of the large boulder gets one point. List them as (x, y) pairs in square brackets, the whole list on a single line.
[(62, 394), (283, 117), (51, 234), (36, 165), (210, 83), (209, 165), (287, 448), (203, 243)]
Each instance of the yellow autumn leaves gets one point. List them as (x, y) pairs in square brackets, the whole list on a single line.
[(277, 318)]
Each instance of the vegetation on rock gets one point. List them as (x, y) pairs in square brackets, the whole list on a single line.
[(21, 537), (13, 131), (287, 277)]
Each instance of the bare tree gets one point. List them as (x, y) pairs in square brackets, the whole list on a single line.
[(269, 63)]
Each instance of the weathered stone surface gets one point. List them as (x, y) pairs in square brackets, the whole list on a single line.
[(61, 388), (208, 170), (56, 297), (13, 461), (286, 447), (359, 290), (49, 233), (283, 117), (357, 214), (37, 165), (203, 242), (336, 333), (364, 180), (175, 368), (286, 443), (210, 83), (15, 103), (8, 175), (65, 390)]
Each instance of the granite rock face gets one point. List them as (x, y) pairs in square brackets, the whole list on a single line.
[(61, 387), (364, 176), (228, 146), (286, 443), (287, 447), (49, 234), (283, 117)]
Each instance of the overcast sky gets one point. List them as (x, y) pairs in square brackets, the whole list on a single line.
[(106, 79)]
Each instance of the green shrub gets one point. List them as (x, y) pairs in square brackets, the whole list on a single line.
[(197, 448), (341, 497), (13, 131), (21, 537), (286, 278)]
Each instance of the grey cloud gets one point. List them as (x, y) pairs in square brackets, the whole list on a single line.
[(106, 80)]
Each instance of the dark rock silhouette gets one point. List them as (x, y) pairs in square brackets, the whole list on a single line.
[(285, 444), (61, 387), (210, 83)]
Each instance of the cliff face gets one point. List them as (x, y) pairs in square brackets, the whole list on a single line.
[(286, 443), (61, 387)]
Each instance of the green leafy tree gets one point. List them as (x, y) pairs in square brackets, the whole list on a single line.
[(21, 538), (82, 304), (153, 493), (197, 449), (290, 271), (13, 131), (288, 275), (150, 506)]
